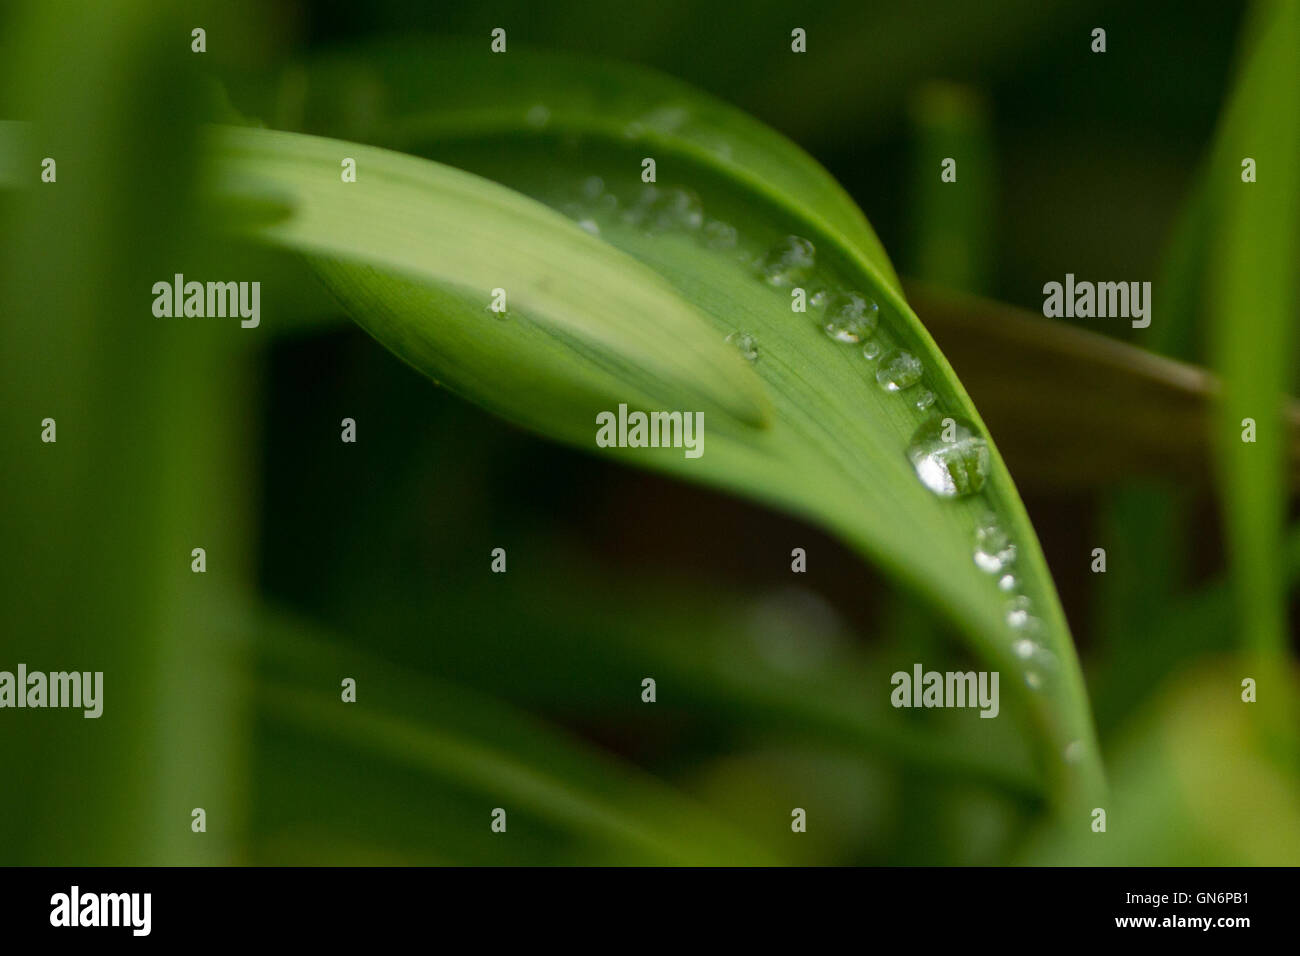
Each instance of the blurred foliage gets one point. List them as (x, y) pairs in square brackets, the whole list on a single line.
[(521, 690)]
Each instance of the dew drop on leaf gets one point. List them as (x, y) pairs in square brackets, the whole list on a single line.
[(788, 262), (674, 209), (949, 458), (899, 370), (719, 235), (850, 317), (746, 343), (538, 116), (994, 551)]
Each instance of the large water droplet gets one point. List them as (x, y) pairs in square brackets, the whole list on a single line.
[(949, 458), (788, 262), (850, 317), (899, 370), (994, 551), (746, 343)]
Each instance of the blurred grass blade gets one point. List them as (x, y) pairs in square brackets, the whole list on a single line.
[(949, 241), (497, 758), (1252, 289), (836, 446), (1060, 399)]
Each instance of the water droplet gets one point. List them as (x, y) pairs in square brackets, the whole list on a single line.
[(589, 225), (672, 209), (994, 551), (1024, 649), (818, 297), (924, 400), (1040, 663), (1018, 615), (1073, 752), (592, 188), (899, 370), (719, 235), (871, 350), (1008, 583), (666, 119), (745, 342), (538, 116), (788, 262), (850, 317), (949, 458)]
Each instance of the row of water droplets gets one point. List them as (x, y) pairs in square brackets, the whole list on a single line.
[(949, 457)]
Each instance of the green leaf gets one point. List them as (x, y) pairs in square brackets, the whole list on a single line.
[(835, 446), (468, 744), (1252, 290), (622, 318)]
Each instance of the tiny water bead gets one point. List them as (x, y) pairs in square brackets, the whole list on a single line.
[(592, 188), (850, 317), (1018, 615), (1024, 649), (924, 400), (949, 458), (1008, 583), (674, 209), (1073, 752), (818, 297), (994, 550), (871, 350), (538, 116), (719, 235), (789, 262), (745, 343), (899, 370)]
